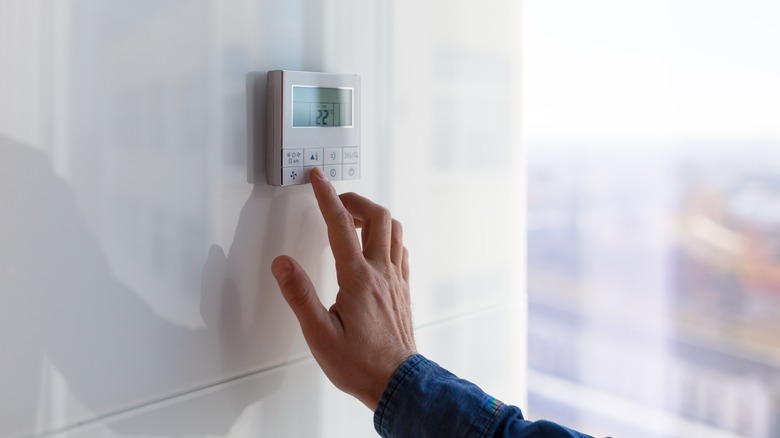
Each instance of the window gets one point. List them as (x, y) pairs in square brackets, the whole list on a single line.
[(654, 216)]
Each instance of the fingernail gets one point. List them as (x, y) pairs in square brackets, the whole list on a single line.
[(281, 268)]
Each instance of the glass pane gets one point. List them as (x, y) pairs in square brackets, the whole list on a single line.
[(654, 216)]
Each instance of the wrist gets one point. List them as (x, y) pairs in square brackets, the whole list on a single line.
[(373, 394)]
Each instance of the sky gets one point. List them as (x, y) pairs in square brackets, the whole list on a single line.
[(678, 70)]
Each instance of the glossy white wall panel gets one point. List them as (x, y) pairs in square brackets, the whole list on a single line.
[(102, 265), (263, 404), (122, 161), (297, 399)]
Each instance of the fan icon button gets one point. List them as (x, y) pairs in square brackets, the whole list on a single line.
[(293, 175)]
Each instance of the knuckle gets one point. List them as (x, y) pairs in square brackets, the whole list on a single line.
[(382, 214), (300, 298), (344, 218)]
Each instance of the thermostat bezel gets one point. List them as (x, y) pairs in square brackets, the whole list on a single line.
[(281, 135)]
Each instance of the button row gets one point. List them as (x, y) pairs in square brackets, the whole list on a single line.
[(335, 172), (319, 156)]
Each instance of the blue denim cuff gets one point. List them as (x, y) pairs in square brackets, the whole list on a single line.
[(425, 400), (384, 414)]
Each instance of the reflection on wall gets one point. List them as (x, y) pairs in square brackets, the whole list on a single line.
[(148, 182), (67, 312), (103, 263)]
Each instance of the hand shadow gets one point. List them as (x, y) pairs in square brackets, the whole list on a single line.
[(240, 299), (65, 312)]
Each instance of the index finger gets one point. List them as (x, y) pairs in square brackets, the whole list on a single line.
[(341, 226)]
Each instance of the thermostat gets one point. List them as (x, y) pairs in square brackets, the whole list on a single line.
[(312, 120)]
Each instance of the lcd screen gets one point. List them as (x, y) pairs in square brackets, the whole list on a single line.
[(319, 107)]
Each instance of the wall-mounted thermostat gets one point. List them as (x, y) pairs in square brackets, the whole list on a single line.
[(312, 120)]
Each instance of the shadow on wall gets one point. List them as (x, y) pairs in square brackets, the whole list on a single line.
[(63, 309)]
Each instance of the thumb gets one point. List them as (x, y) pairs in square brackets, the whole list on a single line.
[(300, 294)]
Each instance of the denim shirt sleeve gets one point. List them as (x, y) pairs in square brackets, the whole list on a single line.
[(425, 400)]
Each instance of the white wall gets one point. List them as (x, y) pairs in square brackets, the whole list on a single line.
[(122, 165)]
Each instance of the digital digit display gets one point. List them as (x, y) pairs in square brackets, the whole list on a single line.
[(319, 107)]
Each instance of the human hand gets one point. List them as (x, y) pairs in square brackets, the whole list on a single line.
[(367, 334)]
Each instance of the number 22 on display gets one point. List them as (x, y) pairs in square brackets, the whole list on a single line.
[(322, 116)]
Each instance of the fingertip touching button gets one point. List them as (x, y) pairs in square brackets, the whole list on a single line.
[(307, 173)]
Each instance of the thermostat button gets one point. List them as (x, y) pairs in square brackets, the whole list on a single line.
[(332, 156), (292, 175), (333, 172), (312, 157), (307, 173), (351, 171), (292, 158), (351, 155)]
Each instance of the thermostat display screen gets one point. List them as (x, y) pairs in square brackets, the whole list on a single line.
[(319, 107)]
